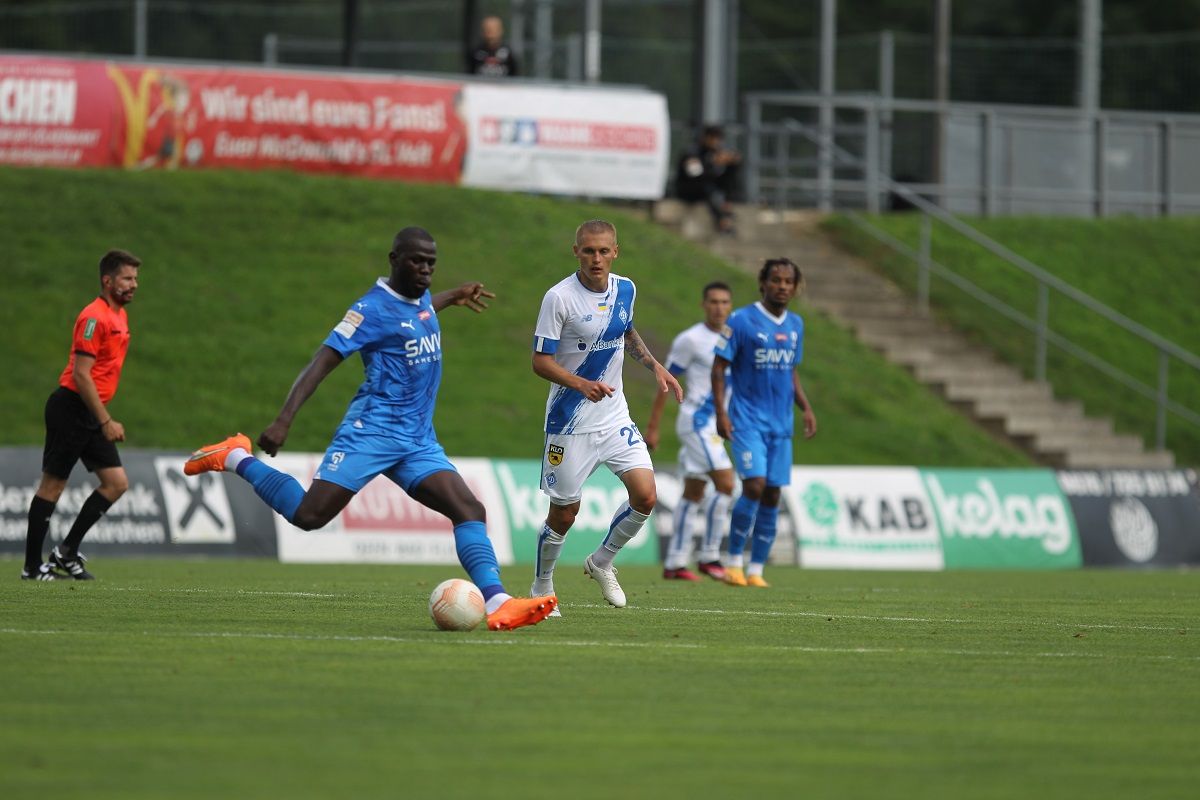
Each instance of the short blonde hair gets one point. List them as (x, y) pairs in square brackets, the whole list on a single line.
[(596, 226)]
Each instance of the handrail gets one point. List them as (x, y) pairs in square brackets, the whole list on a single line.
[(1017, 260), (1022, 319)]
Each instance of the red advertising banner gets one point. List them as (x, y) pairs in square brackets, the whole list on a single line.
[(55, 113), (63, 112)]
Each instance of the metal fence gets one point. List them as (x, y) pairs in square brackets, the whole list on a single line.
[(647, 42), (975, 159)]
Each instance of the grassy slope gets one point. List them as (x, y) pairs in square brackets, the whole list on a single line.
[(245, 273), (1145, 269), (172, 679)]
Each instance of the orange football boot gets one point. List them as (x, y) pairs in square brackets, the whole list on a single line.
[(757, 580), (211, 458), (517, 612), (734, 576)]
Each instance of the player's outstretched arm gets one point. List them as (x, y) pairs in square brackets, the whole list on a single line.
[(636, 349), (810, 419), (323, 362), (724, 426), (471, 295), (544, 366)]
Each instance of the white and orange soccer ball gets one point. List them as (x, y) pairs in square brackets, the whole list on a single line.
[(456, 605)]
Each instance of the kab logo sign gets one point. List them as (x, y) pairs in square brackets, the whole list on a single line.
[(1010, 518), (862, 518)]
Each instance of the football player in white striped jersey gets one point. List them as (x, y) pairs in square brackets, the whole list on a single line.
[(584, 327), (702, 454)]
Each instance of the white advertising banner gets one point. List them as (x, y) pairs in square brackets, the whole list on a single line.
[(863, 518), (384, 525), (580, 141)]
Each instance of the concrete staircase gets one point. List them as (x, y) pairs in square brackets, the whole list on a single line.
[(1054, 432)]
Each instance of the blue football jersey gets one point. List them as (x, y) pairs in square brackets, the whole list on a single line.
[(401, 346), (762, 350)]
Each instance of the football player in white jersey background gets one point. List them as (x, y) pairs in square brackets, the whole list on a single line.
[(584, 327), (702, 454)]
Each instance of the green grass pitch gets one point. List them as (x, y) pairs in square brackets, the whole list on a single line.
[(179, 679)]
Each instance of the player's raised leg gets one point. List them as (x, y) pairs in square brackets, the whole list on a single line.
[(307, 510)]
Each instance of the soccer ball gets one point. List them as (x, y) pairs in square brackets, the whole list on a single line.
[(456, 605)]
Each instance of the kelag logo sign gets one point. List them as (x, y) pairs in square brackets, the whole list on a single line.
[(1010, 518)]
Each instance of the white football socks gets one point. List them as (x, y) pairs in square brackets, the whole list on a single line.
[(680, 548), (625, 525), (235, 457), (495, 601), (716, 525), (550, 545)]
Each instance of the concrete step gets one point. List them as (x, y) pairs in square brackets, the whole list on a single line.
[(1100, 459), (1065, 441), (914, 353), (985, 395), (969, 370), (1030, 425), (898, 327), (868, 306)]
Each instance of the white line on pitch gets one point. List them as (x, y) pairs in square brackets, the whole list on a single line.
[(875, 618), (501, 640)]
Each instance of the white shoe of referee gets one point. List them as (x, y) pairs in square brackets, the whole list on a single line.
[(607, 578)]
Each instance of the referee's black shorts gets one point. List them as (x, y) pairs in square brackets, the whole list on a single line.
[(73, 434)]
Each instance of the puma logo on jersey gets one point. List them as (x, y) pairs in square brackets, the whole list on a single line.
[(408, 324)]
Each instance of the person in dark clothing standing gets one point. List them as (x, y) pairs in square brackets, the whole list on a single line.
[(706, 173), (492, 58), (79, 426)]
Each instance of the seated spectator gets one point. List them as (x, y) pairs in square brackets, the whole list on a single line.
[(492, 57), (706, 174)]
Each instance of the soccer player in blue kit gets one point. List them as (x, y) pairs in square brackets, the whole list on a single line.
[(388, 428), (761, 346)]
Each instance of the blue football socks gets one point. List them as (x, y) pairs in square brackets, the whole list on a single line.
[(742, 523), (279, 490), (478, 557), (764, 534)]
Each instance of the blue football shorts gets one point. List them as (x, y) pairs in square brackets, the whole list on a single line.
[(356, 456), (757, 454)]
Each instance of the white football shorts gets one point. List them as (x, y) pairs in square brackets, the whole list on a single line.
[(702, 452), (570, 458)]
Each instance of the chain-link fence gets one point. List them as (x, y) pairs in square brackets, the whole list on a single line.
[(647, 42)]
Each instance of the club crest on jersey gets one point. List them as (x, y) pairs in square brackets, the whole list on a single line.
[(554, 455), (424, 315), (624, 317)]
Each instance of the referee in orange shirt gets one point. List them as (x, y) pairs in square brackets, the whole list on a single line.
[(79, 426)]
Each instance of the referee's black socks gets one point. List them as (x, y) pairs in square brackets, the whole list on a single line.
[(40, 512), (93, 509)]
